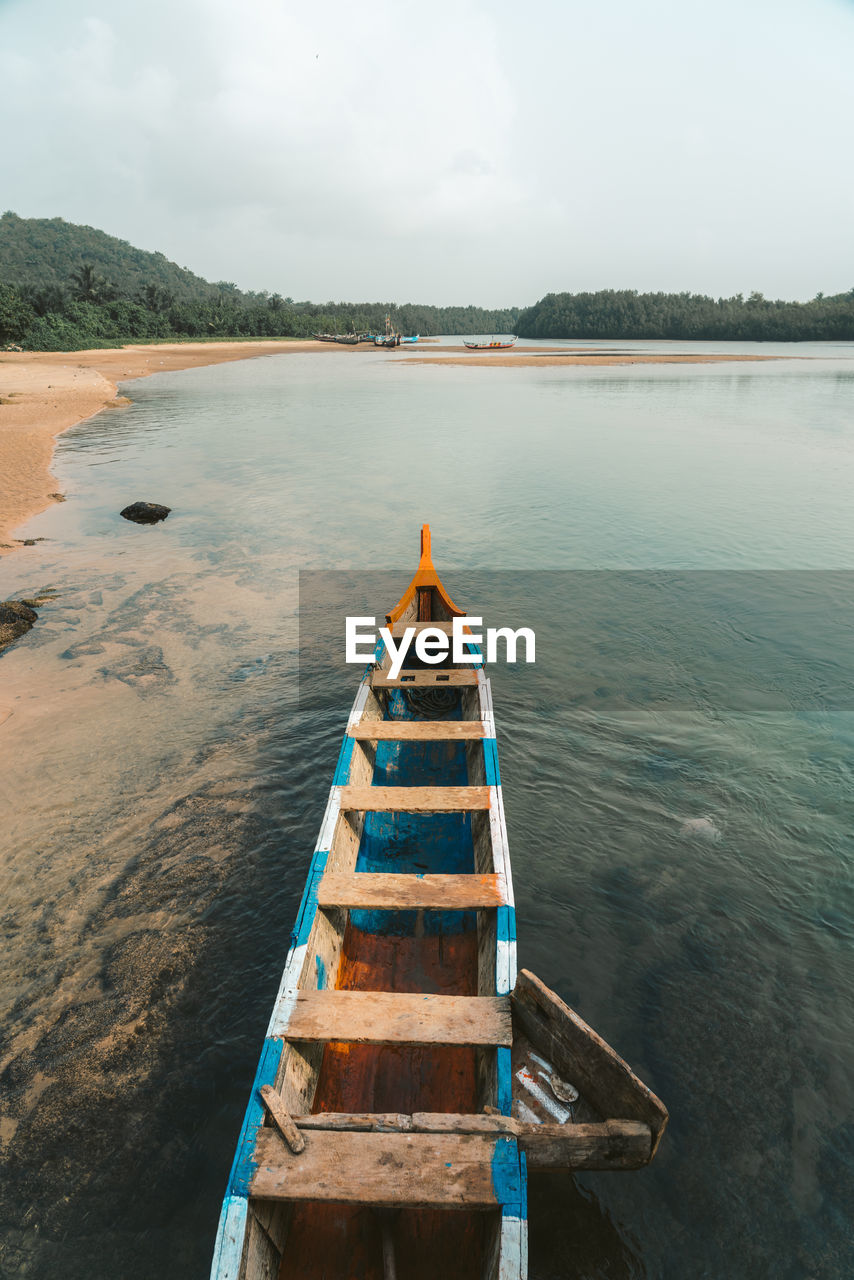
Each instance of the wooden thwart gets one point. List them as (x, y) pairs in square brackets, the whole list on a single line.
[(416, 679), (613, 1144), (418, 1170), (385, 1017), (382, 891), (408, 730), (415, 799)]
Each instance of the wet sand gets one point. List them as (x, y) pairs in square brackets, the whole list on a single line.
[(43, 393)]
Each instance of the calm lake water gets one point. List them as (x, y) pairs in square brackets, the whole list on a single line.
[(681, 538)]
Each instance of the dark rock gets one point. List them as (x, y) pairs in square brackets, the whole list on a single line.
[(145, 512), (16, 618)]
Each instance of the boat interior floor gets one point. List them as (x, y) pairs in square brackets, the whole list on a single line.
[(339, 1240)]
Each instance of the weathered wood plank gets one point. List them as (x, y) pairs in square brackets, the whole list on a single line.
[(282, 1119), (417, 678), (615, 1144), (580, 1055), (415, 799), (447, 1171), (408, 730), (385, 1017), (406, 892)]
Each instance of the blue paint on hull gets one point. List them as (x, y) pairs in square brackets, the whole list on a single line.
[(490, 760), (506, 924), (308, 905), (244, 1165), (504, 1070), (345, 756), (507, 1179)]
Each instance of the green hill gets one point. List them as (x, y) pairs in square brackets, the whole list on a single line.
[(63, 287), (45, 252)]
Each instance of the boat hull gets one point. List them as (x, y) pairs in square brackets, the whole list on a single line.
[(412, 1076)]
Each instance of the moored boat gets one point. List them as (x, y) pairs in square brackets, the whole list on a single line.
[(495, 344), (391, 337), (411, 339), (409, 1076)]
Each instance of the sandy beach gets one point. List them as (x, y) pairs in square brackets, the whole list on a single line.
[(43, 393)]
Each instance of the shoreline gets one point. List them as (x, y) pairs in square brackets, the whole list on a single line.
[(43, 393)]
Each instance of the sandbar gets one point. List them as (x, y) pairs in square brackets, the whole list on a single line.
[(552, 357)]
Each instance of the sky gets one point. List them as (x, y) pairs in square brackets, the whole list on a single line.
[(482, 153)]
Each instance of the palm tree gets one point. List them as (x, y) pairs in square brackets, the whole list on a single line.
[(90, 287)]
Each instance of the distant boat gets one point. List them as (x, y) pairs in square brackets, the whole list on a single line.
[(490, 346), (346, 339), (410, 340), (391, 338)]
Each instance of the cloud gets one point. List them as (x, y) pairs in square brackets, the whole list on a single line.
[(456, 149)]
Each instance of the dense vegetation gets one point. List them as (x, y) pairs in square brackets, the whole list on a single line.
[(625, 313), (64, 287)]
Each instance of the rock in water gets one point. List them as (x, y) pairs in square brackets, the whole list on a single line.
[(145, 512), (16, 618)]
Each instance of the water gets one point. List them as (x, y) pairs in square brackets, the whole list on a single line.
[(680, 539)]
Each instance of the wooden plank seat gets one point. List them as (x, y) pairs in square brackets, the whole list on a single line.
[(417, 730), (414, 799), (386, 1017), (449, 677), (418, 1170), (386, 891)]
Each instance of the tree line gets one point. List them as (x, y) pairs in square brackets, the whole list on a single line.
[(64, 286), (90, 311), (625, 313)]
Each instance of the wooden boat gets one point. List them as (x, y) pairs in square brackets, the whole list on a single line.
[(490, 346), (410, 340), (409, 1078), (391, 338)]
